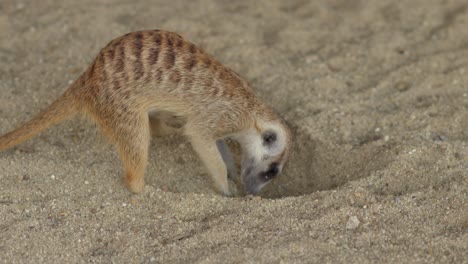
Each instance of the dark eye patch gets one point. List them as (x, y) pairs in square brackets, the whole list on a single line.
[(269, 137)]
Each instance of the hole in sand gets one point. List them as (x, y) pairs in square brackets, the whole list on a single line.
[(315, 165)]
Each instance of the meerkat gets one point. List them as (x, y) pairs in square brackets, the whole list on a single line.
[(157, 71)]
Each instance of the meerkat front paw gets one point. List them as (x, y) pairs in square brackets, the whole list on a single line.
[(231, 191), (227, 194)]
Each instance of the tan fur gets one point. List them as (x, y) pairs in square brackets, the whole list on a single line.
[(158, 70)]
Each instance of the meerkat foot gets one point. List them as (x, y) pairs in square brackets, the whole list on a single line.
[(135, 163), (134, 184), (227, 194)]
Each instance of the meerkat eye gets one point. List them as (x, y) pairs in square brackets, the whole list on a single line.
[(269, 137)]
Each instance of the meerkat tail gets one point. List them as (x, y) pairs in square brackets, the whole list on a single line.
[(63, 107)]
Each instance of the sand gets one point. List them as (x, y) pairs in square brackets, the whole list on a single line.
[(376, 93)]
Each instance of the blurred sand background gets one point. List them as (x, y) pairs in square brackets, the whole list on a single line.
[(376, 92)]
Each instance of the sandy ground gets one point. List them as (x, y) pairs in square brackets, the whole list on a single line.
[(376, 92)]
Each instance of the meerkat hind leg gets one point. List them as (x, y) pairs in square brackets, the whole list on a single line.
[(227, 158), (132, 139)]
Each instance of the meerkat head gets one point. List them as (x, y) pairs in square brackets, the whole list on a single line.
[(265, 149)]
